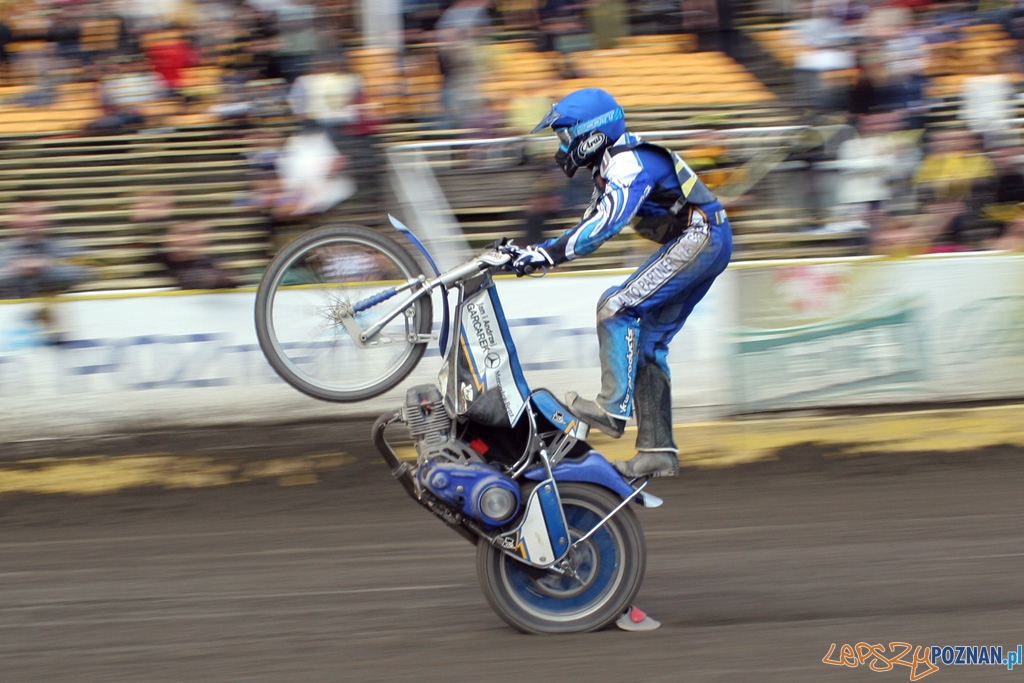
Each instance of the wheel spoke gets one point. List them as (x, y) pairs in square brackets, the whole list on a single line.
[(311, 333)]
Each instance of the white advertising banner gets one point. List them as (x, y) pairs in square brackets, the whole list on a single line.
[(767, 337), (163, 359), (880, 331)]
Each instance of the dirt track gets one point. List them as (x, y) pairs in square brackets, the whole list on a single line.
[(755, 571)]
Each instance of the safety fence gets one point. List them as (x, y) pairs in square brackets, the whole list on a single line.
[(769, 336)]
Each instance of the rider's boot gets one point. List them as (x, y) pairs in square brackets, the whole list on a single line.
[(649, 464), (617, 349), (591, 413), (656, 449)]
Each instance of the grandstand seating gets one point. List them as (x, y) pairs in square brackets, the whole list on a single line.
[(678, 88), (670, 79), (975, 49), (91, 185), (774, 222), (674, 77), (972, 49), (91, 182)]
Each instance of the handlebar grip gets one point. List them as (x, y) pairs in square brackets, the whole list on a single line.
[(371, 301)]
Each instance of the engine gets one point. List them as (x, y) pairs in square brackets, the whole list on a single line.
[(432, 428), (451, 469), (478, 490), (426, 418)]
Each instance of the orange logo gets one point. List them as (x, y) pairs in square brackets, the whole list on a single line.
[(878, 658)]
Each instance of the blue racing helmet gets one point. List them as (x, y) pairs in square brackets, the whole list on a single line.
[(586, 122)]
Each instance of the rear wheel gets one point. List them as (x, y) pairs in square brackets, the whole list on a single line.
[(608, 570), (313, 287)]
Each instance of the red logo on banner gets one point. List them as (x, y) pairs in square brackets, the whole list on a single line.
[(811, 289)]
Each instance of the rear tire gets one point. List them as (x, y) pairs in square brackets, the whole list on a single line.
[(297, 314), (610, 566)]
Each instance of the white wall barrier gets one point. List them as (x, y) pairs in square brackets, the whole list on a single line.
[(880, 331), (768, 336)]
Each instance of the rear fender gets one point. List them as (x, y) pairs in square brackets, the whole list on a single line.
[(594, 469)]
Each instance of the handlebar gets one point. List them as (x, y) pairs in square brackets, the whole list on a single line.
[(500, 255), (514, 252)]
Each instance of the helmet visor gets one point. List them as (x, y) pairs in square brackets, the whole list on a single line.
[(547, 121)]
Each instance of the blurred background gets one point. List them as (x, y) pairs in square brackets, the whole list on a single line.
[(158, 140), (152, 146)]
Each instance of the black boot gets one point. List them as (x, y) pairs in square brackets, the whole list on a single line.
[(656, 449)]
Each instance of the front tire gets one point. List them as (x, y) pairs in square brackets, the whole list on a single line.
[(610, 568), (299, 320)]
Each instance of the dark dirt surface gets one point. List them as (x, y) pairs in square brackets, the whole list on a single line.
[(755, 571)]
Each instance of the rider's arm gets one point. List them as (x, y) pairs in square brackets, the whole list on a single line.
[(626, 186)]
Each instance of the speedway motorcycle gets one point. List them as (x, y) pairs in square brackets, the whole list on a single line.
[(345, 313)]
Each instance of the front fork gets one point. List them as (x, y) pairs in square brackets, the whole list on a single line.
[(542, 538), (345, 313), (552, 551)]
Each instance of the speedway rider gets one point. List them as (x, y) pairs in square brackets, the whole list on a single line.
[(637, 319)]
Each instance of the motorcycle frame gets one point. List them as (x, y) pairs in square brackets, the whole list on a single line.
[(540, 461)]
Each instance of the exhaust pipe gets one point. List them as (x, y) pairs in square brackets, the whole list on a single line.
[(402, 471), (399, 470)]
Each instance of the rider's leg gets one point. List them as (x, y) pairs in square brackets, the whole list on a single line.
[(655, 445), (656, 452), (663, 283), (653, 408), (698, 257), (622, 337), (618, 343), (619, 314)]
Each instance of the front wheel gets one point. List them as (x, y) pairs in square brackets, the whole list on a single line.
[(323, 281), (608, 569)]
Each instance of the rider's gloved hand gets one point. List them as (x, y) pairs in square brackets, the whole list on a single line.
[(531, 259)]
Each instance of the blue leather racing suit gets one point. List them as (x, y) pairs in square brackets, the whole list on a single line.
[(650, 186)]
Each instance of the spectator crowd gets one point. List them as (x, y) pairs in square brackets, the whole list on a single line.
[(930, 91), (902, 178)]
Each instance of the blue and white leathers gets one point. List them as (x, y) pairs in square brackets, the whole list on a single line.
[(637, 319), (622, 187)]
